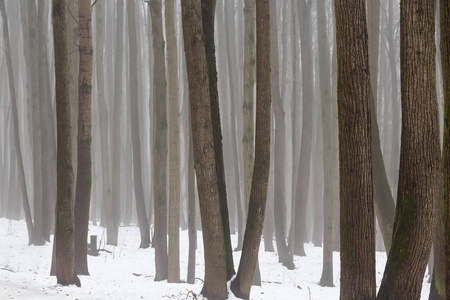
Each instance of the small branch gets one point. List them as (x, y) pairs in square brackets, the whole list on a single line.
[(76, 21), (193, 294), (94, 3)]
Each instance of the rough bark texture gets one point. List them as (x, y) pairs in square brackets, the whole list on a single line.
[(135, 136), (327, 133), (84, 174), (64, 232), (248, 140), (159, 143), (355, 155), (174, 144), (208, 8), (445, 52), (280, 146), (419, 177), (114, 217), (205, 160), (192, 214), (15, 122), (242, 283)]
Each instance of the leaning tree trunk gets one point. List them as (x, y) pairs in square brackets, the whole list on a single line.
[(205, 159), (208, 8), (355, 155), (419, 155), (445, 52), (64, 232), (242, 283), (84, 173), (18, 153), (174, 144), (160, 143)]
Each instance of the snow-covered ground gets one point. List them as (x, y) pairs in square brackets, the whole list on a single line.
[(128, 272)]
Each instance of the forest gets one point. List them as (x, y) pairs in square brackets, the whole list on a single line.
[(226, 140)]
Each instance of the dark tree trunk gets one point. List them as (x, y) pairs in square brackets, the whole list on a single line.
[(355, 157), (419, 155), (445, 52), (64, 233), (84, 173), (242, 283), (159, 143), (204, 153), (192, 214), (208, 8)]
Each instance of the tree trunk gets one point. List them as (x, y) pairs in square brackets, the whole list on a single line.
[(445, 52), (84, 161), (192, 215), (242, 283), (174, 141), (304, 166), (159, 143), (280, 146), (205, 159), (355, 157), (419, 155), (135, 136), (326, 278), (208, 8), (18, 152), (114, 218), (64, 233)]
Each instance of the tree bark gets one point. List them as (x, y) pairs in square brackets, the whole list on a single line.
[(205, 159), (174, 141), (208, 8), (64, 233), (355, 155), (159, 142), (84, 161), (419, 155), (242, 283)]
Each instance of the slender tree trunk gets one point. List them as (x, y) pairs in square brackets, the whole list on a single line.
[(280, 146), (64, 234), (114, 218), (48, 153), (192, 215), (419, 155), (249, 95), (84, 161), (174, 141), (135, 136), (205, 159), (304, 166), (242, 283), (355, 157), (326, 278), (208, 8), (159, 143), (18, 153), (445, 61)]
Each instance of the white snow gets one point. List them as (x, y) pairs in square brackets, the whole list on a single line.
[(128, 272)]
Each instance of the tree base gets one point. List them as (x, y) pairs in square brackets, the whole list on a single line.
[(75, 280)]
